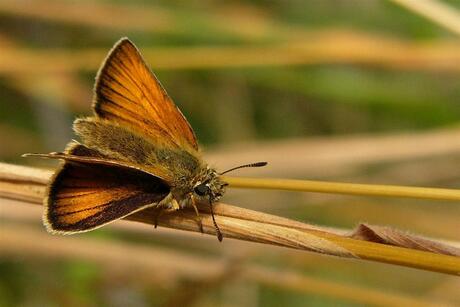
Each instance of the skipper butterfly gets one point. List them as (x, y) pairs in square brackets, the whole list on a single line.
[(136, 151)]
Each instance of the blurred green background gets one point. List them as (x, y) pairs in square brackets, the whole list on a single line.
[(344, 90)]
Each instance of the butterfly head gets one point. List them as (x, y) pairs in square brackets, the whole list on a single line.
[(209, 186)]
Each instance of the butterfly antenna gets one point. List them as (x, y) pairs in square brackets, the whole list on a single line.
[(256, 164), (219, 234)]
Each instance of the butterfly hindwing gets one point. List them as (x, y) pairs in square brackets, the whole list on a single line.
[(128, 93), (83, 196)]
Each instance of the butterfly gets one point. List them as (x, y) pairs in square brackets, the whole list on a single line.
[(136, 151)]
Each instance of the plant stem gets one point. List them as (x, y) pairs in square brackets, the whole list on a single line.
[(343, 188), (29, 185)]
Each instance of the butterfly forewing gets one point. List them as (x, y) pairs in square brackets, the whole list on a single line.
[(84, 196), (128, 93)]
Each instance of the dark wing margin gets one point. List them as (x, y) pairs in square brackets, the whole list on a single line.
[(84, 196), (127, 92)]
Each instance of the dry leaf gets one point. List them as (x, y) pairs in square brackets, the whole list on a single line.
[(392, 236)]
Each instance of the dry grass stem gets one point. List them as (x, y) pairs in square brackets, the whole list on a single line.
[(28, 184), (318, 155), (156, 263), (344, 188), (99, 15), (21, 212), (322, 47)]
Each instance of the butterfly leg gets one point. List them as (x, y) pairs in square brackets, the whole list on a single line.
[(158, 213), (199, 221), (169, 203), (175, 205)]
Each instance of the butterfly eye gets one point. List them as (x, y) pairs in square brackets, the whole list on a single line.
[(201, 189)]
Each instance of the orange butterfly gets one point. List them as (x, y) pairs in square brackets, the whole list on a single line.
[(137, 151)]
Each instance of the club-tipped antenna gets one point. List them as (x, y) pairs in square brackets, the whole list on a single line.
[(219, 234), (256, 164)]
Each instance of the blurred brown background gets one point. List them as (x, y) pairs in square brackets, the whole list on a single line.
[(357, 90)]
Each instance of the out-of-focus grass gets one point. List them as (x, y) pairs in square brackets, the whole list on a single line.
[(275, 102)]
